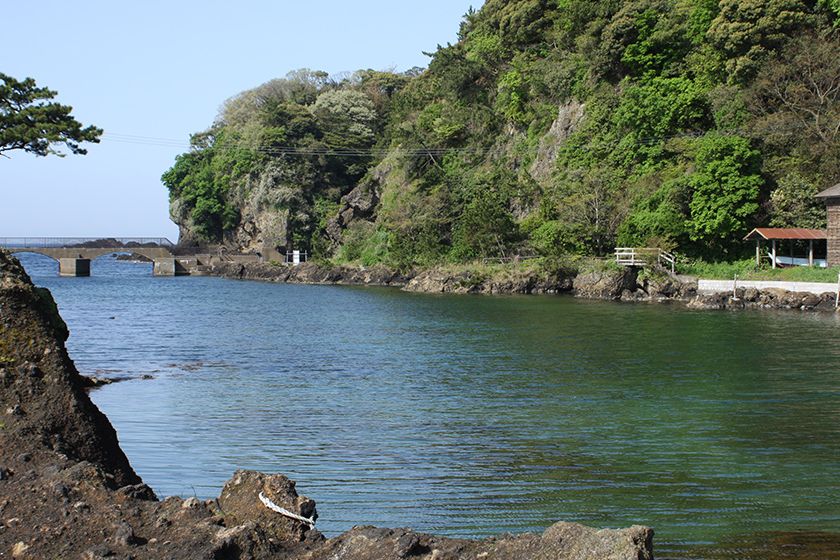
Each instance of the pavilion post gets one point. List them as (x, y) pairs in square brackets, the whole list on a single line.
[(773, 254), (758, 251), (811, 253)]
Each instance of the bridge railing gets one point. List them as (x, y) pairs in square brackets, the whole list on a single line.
[(84, 242), (645, 256)]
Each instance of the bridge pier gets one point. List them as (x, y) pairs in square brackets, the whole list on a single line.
[(74, 267), (164, 267)]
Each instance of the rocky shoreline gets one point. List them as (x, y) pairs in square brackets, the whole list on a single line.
[(67, 490), (606, 283)]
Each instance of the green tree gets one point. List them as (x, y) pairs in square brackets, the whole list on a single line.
[(485, 227), (725, 191), (651, 111), (795, 102), (792, 204), (347, 118), (658, 220), (833, 6), (591, 203), (32, 123), (748, 31), (645, 38)]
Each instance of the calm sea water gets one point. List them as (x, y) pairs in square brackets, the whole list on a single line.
[(470, 416)]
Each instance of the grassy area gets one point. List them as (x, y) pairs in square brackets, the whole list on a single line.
[(747, 270)]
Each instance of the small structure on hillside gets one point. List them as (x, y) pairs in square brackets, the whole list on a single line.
[(831, 197), (777, 235)]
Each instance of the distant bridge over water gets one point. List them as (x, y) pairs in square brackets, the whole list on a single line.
[(75, 253)]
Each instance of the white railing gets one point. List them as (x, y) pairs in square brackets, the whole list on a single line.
[(645, 256)]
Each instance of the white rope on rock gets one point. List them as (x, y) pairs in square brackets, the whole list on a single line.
[(275, 508)]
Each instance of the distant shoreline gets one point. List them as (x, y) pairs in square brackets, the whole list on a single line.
[(607, 283)]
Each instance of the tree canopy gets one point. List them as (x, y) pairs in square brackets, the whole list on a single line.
[(29, 121)]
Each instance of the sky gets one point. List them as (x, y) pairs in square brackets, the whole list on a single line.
[(160, 70)]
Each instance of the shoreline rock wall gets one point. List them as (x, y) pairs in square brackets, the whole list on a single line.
[(612, 284), (68, 491)]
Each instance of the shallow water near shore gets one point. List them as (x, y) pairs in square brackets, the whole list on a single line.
[(471, 416)]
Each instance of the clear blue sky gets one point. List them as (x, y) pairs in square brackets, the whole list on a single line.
[(162, 69)]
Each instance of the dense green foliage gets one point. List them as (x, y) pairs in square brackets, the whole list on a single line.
[(30, 122), (550, 127), (292, 145)]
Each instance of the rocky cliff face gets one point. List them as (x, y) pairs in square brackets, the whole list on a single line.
[(266, 217), (68, 491)]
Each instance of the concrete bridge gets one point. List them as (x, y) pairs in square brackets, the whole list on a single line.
[(75, 253)]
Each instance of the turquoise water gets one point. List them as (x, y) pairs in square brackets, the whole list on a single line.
[(469, 415)]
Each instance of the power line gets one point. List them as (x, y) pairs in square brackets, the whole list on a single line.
[(269, 149), (328, 150)]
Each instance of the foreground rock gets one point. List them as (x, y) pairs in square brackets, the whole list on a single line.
[(68, 491)]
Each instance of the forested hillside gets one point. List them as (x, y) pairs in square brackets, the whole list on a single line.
[(550, 127)]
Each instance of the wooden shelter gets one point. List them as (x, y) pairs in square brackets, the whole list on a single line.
[(776, 235), (831, 197)]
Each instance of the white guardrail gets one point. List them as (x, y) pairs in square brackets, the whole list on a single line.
[(719, 286)]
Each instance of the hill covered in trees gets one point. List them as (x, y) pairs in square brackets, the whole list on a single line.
[(550, 127)]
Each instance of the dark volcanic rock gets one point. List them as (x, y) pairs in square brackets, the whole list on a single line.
[(506, 281), (562, 541), (237, 502), (608, 283), (310, 273), (56, 416), (358, 205), (769, 298)]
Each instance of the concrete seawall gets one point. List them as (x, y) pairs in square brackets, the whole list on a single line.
[(718, 286)]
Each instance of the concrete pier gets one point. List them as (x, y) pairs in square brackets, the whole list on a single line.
[(164, 267), (74, 267)]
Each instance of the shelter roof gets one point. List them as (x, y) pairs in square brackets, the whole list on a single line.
[(787, 233), (830, 192)]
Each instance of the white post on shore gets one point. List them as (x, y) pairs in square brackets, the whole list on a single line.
[(837, 299), (735, 287)]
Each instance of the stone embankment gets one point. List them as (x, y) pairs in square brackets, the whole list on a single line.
[(438, 280), (307, 273), (67, 490), (604, 282), (770, 298)]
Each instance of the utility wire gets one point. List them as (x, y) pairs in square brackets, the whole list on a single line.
[(327, 150)]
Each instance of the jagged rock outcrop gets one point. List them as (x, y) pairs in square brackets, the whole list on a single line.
[(68, 491), (569, 117), (311, 273), (562, 541), (513, 281), (46, 411), (606, 283), (360, 204)]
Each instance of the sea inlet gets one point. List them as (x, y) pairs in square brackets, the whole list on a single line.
[(469, 415)]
